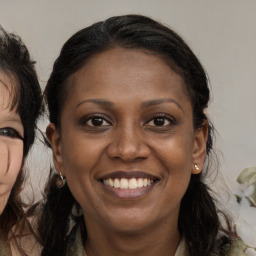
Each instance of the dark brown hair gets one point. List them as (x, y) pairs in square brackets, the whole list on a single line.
[(26, 94), (199, 221)]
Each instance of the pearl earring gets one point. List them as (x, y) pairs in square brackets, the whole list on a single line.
[(196, 167)]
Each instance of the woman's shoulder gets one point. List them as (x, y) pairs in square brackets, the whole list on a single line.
[(239, 248), (75, 243)]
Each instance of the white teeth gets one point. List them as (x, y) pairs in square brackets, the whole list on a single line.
[(124, 183), (116, 183), (111, 183), (133, 183), (140, 183)]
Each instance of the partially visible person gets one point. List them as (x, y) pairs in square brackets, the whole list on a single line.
[(131, 144), (20, 107)]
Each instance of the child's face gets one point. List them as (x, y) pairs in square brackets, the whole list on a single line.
[(11, 140)]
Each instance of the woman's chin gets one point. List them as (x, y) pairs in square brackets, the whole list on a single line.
[(130, 221)]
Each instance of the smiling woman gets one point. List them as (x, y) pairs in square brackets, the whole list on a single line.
[(130, 137), (20, 103)]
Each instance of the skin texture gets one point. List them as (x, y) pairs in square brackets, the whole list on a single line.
[(11, 144), (130, 92)]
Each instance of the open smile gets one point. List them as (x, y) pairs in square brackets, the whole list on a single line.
[(129, 184), (124, 183)]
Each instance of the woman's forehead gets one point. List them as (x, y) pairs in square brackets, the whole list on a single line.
[(123, 76), (120, 65)]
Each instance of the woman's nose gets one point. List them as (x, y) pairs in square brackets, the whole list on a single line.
[(128, 145)]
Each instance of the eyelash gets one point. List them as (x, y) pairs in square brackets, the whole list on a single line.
[(93, 117), (162, 116), (102, 118), (10, 132)]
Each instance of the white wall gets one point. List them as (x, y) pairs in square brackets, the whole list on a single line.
[(221, 33)]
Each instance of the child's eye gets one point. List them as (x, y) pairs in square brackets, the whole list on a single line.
[(10, 132)]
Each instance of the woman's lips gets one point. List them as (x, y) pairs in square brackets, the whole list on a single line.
[(128, 184)]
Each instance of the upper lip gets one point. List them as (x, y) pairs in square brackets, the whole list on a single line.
[(128, 175)]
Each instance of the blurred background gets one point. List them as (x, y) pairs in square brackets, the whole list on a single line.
[(221, 33)]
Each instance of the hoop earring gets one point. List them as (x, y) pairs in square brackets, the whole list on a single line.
[(61, 181)]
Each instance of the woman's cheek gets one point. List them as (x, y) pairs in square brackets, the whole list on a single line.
[(10, 164)]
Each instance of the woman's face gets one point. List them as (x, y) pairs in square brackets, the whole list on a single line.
[(127, 145), (11, 143)]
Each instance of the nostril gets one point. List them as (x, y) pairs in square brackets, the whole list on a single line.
[(128, 150)]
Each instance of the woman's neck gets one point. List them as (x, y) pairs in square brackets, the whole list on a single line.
[(160, 239)]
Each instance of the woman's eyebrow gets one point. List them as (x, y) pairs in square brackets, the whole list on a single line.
[(96, 101), (154, 102)]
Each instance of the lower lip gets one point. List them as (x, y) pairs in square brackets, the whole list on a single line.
[(129, 193)]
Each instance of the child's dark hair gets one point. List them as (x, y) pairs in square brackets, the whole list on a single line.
[(199, 222)]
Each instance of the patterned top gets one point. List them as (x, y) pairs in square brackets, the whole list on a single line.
[(76, 247)]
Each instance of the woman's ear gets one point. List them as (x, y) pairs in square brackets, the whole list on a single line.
[(54, 138), (199, 148)]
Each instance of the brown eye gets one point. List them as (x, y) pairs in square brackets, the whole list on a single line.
[(160, 121), (10, 132), (97, 121)]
